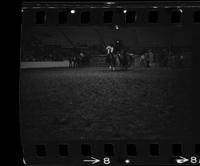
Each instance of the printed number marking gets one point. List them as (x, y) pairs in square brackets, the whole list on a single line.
[(194, 160), (106, 160)]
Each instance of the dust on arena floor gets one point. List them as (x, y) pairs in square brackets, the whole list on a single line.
[(95, 103)]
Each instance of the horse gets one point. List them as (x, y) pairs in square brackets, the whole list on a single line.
[(70, 58), (124, 59), (75, 60), (112, 60), (119, 59)]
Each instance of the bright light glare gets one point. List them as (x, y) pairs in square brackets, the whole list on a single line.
[(116, 27), (125, 11), (72, 11), (110, 3), (127, 161), (181, 10)]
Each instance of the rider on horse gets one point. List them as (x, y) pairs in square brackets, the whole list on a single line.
[(117, 56), (120, 50), (110, 57)]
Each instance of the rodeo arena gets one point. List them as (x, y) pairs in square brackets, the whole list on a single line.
[(115, 55), (105, 82)]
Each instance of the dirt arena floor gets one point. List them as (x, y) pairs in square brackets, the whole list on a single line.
[(95, 103)]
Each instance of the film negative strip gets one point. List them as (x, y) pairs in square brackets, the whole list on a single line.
[(109, 83)]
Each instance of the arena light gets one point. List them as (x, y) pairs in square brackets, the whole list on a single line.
[(116, 27), (110, 3), (125, 11), (127, 161), (180, 10), (72, 11)]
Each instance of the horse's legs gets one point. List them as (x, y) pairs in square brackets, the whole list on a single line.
[(109, 60), (110, 64), (76, 63), (113, 64), (113, 68)]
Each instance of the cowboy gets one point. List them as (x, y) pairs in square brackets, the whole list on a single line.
[(120, 52), (118, 46)]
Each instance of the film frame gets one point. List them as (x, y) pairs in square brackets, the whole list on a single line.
[(110, 152)]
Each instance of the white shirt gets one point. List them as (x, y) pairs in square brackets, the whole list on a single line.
[(109, 49)]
